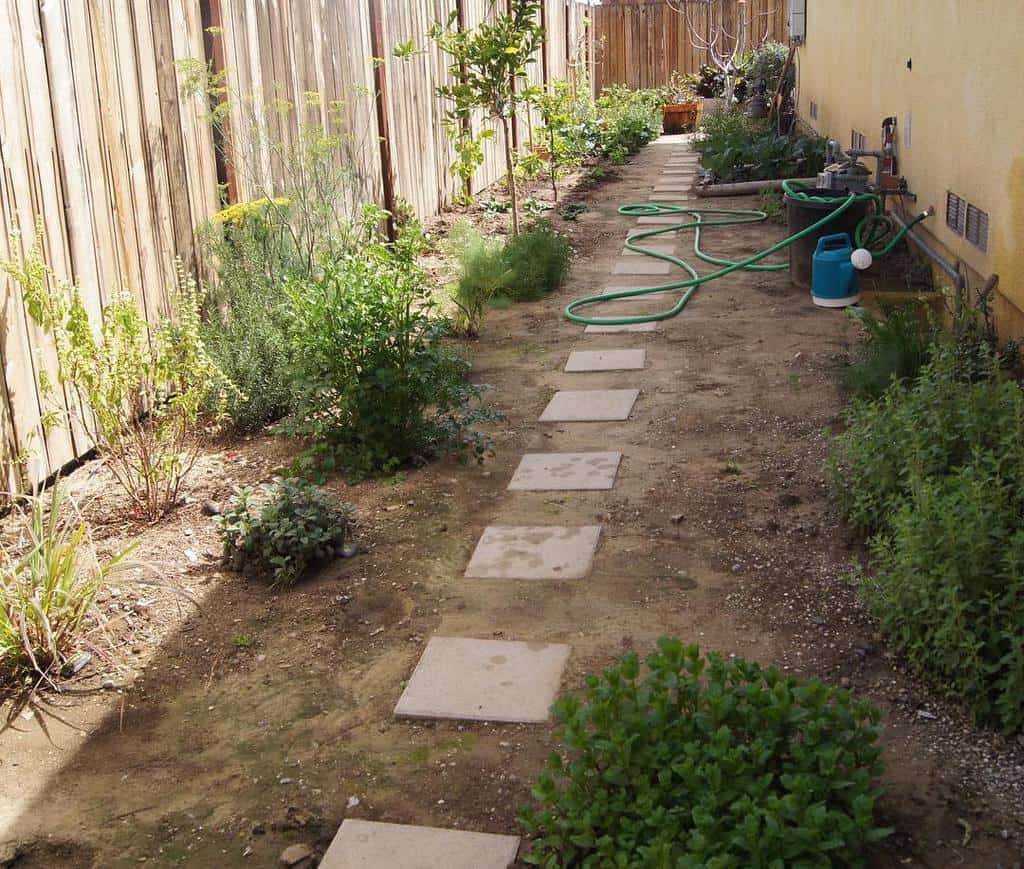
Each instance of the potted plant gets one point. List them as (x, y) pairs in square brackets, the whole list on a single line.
[(679, 107)]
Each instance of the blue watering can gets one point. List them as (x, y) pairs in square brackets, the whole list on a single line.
[(833, 278)]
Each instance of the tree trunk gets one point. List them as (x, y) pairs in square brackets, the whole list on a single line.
[(511, 170)]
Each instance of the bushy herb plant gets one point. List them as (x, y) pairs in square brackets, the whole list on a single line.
[(734, 147), (707, 762), (895, 346), (922, 430), (376, 385), (537, 261), (244, 319), (628, 119), (296, 525), (137, 390), (947, 582), (482, 274), (935, 467)]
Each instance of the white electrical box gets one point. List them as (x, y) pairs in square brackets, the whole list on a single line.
[(798, 20)]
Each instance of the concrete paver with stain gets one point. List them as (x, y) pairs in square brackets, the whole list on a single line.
[(484, 680), (534, 552), (545, 472), (590, 405), (374, 845)]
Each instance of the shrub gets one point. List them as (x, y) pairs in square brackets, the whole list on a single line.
[(298, 525), (948, 583), (537, 261), (936, 468), (376, 386), (766, 64), (138, 389), (921, 431), (482, 274), (628, 119), (49, 580), (706, 762), (244, 321), (734, 147), (896, 346)]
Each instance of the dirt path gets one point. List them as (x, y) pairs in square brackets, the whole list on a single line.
[(265, 720)]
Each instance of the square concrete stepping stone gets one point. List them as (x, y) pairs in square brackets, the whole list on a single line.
[(534, 552), (673, 197), (484, 680), (682, 187), (598, 329), (650, 244), (375, 845), (590, 405), (661, 219), (605, 360), (549, 472), (644, 266)]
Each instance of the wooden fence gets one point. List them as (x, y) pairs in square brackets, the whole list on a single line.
[(99, 144), (641, 42)]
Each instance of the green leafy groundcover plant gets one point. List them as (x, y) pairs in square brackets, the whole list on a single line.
[(297, 525), (936, 468), (707, 762)]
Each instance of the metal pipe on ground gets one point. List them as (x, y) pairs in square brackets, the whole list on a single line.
[(746, 188), (931, 253)]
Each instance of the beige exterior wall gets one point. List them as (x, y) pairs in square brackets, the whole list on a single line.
[(965, 99)]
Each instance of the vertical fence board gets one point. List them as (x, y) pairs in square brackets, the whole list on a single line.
[(644, 41)]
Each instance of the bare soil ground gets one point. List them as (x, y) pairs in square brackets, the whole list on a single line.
[(228, 730)]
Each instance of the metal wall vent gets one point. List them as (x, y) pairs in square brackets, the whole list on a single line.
[(956, 213), (814, 110), (977, 227)]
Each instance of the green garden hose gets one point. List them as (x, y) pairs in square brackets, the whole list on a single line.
[(871, 230)]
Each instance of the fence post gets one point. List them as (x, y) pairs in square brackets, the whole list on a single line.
[(544, 44), (380, 85), (466, 123)]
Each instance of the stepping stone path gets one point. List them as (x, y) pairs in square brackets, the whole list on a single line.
[(511, 681), (643, 266), (372, 845), (484, 680), (598, 329), (549, 472), (528, 552), (606, 360), (590, 405)]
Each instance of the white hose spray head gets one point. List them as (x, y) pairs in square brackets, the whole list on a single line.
[(861, 259)]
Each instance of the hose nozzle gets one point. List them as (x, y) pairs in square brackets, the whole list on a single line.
[(929, 211)]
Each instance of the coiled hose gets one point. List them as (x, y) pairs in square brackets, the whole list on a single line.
[(871, 231)]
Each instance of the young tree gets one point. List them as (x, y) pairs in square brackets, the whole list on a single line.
[(487, 61), (733, 29)]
